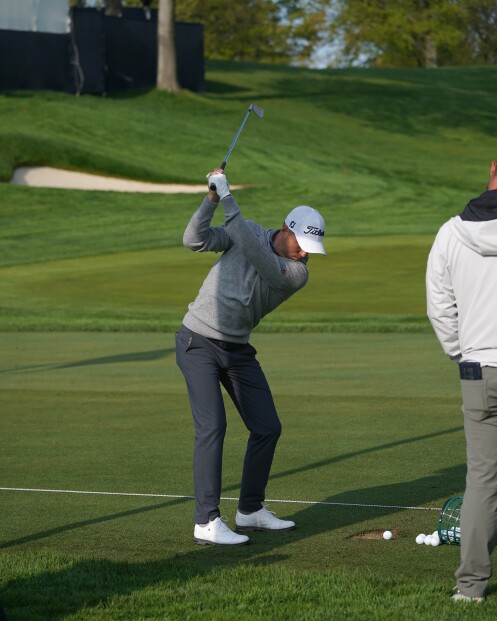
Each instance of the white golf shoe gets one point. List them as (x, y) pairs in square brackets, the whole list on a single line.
[(459, 597), (262, 520), (217, 533)]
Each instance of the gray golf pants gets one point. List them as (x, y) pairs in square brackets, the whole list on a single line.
[(206, 365), (479, 508)]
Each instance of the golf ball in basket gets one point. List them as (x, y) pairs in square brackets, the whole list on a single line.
[(420, 538), (387, 535)]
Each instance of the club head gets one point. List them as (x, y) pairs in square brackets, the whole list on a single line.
[(257, 110)]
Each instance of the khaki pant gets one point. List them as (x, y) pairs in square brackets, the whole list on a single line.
[(479, 508)]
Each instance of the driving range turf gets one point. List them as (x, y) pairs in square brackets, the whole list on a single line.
[(94, 285), (108, 412)]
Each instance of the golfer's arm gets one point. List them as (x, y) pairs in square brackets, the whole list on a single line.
[(200, 236), (441, 303), (260, 255)]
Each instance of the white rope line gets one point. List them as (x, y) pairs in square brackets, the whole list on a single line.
[(268, 500)]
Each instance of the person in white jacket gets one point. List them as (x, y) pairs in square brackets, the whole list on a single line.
[(461, 285)]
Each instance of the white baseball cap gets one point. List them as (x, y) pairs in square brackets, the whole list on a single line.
[(308, 226)]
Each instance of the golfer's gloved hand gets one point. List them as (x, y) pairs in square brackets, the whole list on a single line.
[(221, 183)]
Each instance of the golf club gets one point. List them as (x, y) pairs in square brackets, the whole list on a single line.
[(258, 111)]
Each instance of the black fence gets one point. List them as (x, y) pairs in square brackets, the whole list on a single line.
[(101, 54)]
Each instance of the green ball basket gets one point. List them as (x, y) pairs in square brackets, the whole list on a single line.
[(449, 529)]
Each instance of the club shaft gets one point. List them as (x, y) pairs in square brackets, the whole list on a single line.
[(226, 157), (212, 186)]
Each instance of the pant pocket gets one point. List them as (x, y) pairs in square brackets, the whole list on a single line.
[(184, 339), (474, 396)]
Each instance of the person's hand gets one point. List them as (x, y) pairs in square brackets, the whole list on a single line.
[(218, 179)]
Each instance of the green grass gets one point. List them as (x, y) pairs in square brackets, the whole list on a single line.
[(150, 290), (386, 156), (376, 150), (165, 590), (367, 419), (95, 283)]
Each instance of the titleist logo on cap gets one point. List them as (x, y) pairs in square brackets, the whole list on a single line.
[(313, 230), (310, 230)]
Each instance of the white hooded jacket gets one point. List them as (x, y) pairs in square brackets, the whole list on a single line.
[(461, 285)]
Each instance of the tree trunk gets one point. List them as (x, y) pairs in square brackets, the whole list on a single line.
[(166, 60), (430, 53)]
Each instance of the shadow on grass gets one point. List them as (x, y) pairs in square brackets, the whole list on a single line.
[(371, 449), (377, 495), (139, 356), (393, 101), (85, 583), (83, 523), (218, 87)]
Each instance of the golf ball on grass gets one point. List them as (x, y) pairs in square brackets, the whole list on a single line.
[(429, 540), (387, 535)]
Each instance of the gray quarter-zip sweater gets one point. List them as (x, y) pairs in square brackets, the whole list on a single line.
[(246, 283)]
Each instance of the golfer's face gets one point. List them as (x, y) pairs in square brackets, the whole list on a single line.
[(293, 250)]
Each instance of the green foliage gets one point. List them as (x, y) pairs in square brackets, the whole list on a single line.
[(258, 30), (482, 26), (244, 30), (416, 32), (400, 32), (307, 21)]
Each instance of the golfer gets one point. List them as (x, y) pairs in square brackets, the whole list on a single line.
[(461, 287), (257, 271)]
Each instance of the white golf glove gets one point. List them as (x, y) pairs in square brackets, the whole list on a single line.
[(221, 183)]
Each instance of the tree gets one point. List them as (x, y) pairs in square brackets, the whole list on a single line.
[(166, 50), (308, 22), (278, 31), (482, 36), (240, 30), (399, 32), (167, 79)]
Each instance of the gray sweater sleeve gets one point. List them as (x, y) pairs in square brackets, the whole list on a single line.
[(200, 236), (281, 274), (248, 281)]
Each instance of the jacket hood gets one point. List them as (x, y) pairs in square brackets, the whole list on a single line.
[(479, 236), (476, 226), (482, 208)]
